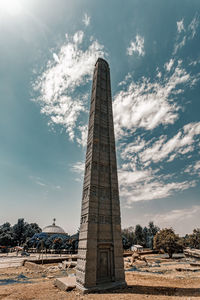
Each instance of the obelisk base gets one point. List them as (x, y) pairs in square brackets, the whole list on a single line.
[(102, 287)]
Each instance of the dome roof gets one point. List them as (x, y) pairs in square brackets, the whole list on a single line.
[(53, 229)]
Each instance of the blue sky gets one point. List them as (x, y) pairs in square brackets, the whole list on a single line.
[(48, 51)]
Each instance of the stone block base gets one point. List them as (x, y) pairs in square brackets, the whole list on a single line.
[(66, 283), (102, 287)]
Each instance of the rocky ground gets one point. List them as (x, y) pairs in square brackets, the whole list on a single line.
[(159, 278)]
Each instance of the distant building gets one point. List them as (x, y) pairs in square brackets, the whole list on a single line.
[(54, 229), (136, 248)]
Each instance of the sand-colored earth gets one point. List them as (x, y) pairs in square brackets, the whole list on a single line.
[(159, 280)]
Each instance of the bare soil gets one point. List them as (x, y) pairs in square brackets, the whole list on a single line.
[(157, 280)]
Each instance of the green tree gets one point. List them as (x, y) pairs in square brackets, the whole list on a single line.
[(167, 240), (145, 234), (193, 240), (6, 235), (139, 238), (152, 230), (31, 229), (19, 231), (129, 235)]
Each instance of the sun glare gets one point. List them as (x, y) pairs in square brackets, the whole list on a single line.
[(13, 7)]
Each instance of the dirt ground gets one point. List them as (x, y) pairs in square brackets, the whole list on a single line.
[(157, 280)]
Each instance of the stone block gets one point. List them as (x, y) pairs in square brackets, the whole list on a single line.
[(65, 283)]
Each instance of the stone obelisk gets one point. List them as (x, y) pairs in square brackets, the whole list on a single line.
[(100, 257)]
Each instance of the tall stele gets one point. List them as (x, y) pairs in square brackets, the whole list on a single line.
[(100, 255)]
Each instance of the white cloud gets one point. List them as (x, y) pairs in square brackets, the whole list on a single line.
[(139, 182), (197, 166), (181, 143), (127, 77), (194, 62), (169, 65), (180, 214), (135, 147), (78, 168), (193, 169), (83, 129), (147, 105), (40, 183), (180, 219), (71, 68), (180, 26), (193, 26), (43, 183), (55, 56), (159, 74), (190, 32), (137, 46), (78, 37), (146, 185), (179, 45), (86, 20)]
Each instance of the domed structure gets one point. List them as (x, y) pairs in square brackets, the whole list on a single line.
[(54, 229)]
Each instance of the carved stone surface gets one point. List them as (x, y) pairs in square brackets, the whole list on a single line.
[(100, 256)]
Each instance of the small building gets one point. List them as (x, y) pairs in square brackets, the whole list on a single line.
[(54, 229), (137, 248)]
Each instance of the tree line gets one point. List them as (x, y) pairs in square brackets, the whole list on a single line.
[(139, 235), (30, 235), (17, 234), (160, 239)]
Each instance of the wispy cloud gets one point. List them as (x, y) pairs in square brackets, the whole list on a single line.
[(137, 46), (193, 26), (78, 167), (86, 20), (169, 65), (179, 45), (41, 182), (146, 104), (193, 169), (176, 217), (145, 185), (126, 79), (189, 33), (83, 130), (180, 26), (70, 69), (182, 143), (38, 180), (140, 182)]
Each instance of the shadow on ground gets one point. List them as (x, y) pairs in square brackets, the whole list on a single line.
[(157, 290), (18, 279)]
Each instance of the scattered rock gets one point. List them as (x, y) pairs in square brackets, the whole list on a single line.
[(187, 270), (66, 283)]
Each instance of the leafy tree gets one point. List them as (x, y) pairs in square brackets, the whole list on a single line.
[(193, 240), (19, 230), (6, 235), (31, 229), (167, 240), (139, 235), (128, 237), (145, 237), (152, 230), (139, 238), (23, 230)]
